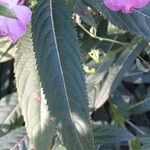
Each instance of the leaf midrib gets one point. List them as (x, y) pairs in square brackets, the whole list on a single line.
[(61, 70)]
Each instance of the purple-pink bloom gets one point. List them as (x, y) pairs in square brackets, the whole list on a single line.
[(15, 28), (21, 2), (126, 6)]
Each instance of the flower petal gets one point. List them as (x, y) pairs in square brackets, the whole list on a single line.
[(15, 28), (119, 5), (126, 6), (3, 27), (23, 14), (11, 3), (113, 6), (140, 3), (21, 2)]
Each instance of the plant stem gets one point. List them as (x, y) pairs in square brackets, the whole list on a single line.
[(135, 127), (100, 38)]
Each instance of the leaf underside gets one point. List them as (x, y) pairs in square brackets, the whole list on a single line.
[(39, 124)]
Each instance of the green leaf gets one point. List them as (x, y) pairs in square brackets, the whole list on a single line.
[(93, 81), (59, 147), (117, 72), (9, 111), (117, 115), (39, 124), (16, 139), (104, 134), (72, 3), (144, 140), (6, 11), (60, 72), (140, 107), (140, 143), (137, 23), (134, 144), (85, 15), (7, 49), (138, 78)]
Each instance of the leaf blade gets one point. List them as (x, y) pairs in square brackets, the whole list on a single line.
[(5, 11), (15, 139), (117, 71), (57, 57), (136, 23), (39, 123), (9, 110), (104, 134)]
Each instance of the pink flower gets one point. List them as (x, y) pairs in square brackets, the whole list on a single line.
[(21, 2), (126, 6), (15, 28)]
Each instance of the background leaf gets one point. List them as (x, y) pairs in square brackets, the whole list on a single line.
[(137, 23), (9, 112), (140, 107), (7, 50), (104, 134), (16, 140), (117, 72)]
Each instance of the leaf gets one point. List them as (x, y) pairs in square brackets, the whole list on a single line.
[(122, 97), (140, 107), (138, 78), (6, 11), (145, 145), (60, 72), (117, 72), (60, 147), (39, 124), (100, 73), (71, 3), (137, 23), (118, 117), (15, 140), (141, 143), (142, 65), (134, 144), (85, 15), (7, 50), (104, 134), (9, 110), (93, 80)]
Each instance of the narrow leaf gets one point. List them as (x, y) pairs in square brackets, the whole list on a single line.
[(15, 140), (110, 134), (137, 23), (7, 49), (140, 107), (138, 78), (6, 11), (117, 72), (60, 72), (39, 124), (9, 111)]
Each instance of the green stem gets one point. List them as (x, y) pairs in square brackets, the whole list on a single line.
[(135, 127), (100, 38)]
